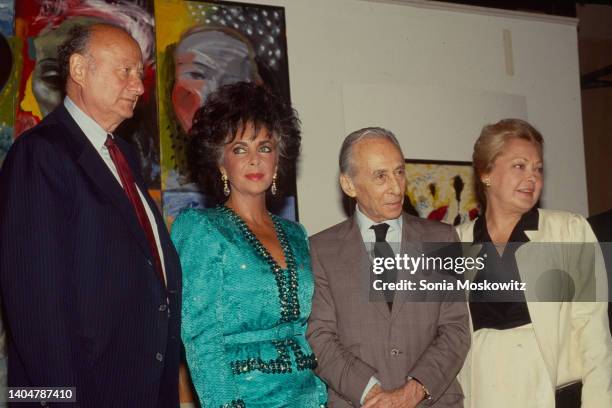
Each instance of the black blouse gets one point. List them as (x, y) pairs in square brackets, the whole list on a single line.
[(493, 309)]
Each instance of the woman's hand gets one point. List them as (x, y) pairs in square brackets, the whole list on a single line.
[(185, 386)]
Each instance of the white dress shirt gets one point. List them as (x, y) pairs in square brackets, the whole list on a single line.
[(394, 233), (97, 137)]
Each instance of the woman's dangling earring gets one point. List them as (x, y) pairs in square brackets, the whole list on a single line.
[(273, 188), (226, 190)]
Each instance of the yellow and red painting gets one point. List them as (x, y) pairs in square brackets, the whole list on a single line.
[(441, 191)]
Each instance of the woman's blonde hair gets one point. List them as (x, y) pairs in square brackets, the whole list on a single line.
[(491, 143)]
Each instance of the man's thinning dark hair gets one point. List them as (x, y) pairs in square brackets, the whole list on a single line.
[(76, 43)]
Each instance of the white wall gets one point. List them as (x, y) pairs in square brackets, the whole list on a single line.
[(434, 77)]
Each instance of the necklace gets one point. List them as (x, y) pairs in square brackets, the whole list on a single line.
[(287, 283)]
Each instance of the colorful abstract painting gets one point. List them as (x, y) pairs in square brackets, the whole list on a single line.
[(42, 26), (441, 190), (200, 47), (9, 75)]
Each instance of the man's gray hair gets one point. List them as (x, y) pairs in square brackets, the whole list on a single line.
[(352, 139)]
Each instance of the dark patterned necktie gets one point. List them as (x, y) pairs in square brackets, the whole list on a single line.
[(127, 181), (382, 249)]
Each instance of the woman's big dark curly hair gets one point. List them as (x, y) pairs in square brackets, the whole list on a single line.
[(224, 117)]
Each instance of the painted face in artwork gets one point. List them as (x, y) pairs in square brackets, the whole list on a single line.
[(46, 83), (378, 179), (204, 61), (515, 181)]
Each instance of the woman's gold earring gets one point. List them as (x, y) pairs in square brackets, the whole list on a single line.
[(273, 188), (487, 182), (226, 190)]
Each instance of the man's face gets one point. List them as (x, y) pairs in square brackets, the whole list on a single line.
[(378, 180), (112, 80)]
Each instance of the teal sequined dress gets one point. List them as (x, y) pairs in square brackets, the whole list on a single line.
[(244, 318)]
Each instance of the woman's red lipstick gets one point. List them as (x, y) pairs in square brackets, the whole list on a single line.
[(254, 176)]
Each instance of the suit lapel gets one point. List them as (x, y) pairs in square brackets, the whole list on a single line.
[(412, 235), (411, 245), (543, 314), (100, 175), (165, 244), (353, 257)]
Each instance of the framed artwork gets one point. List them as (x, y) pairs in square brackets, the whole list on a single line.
[(441, 190), (43, 25), (190, 48), (9, 75), (202, 45)]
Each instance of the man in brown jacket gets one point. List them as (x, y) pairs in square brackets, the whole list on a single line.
[(390, 352)]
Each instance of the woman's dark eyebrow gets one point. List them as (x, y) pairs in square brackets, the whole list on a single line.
[(235, 142)]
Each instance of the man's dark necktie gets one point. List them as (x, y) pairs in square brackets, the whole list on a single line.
[(382, 249), (127, 180)]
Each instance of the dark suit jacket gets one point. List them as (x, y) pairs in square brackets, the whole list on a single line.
[(83, 304), (354, 338), (602, 227)]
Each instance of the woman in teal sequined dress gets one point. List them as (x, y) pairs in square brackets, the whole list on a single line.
[(247, 281)]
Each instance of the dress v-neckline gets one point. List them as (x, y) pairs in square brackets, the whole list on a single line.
[(259, 247), (286, 278)]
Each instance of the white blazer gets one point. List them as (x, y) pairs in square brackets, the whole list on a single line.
[(573, 337)]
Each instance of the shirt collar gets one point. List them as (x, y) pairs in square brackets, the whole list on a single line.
[(94, 132), (528, 222), (364, 223)]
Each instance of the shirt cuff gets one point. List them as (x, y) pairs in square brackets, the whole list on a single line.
[(373, 381)]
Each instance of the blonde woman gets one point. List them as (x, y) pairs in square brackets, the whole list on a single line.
[(524, 351)]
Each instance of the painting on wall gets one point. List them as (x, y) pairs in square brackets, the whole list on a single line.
[(441, 190), (201, 46), (9, 75), (42, 26)]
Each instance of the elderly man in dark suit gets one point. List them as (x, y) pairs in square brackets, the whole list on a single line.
[(90, 281), (395, 352)]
